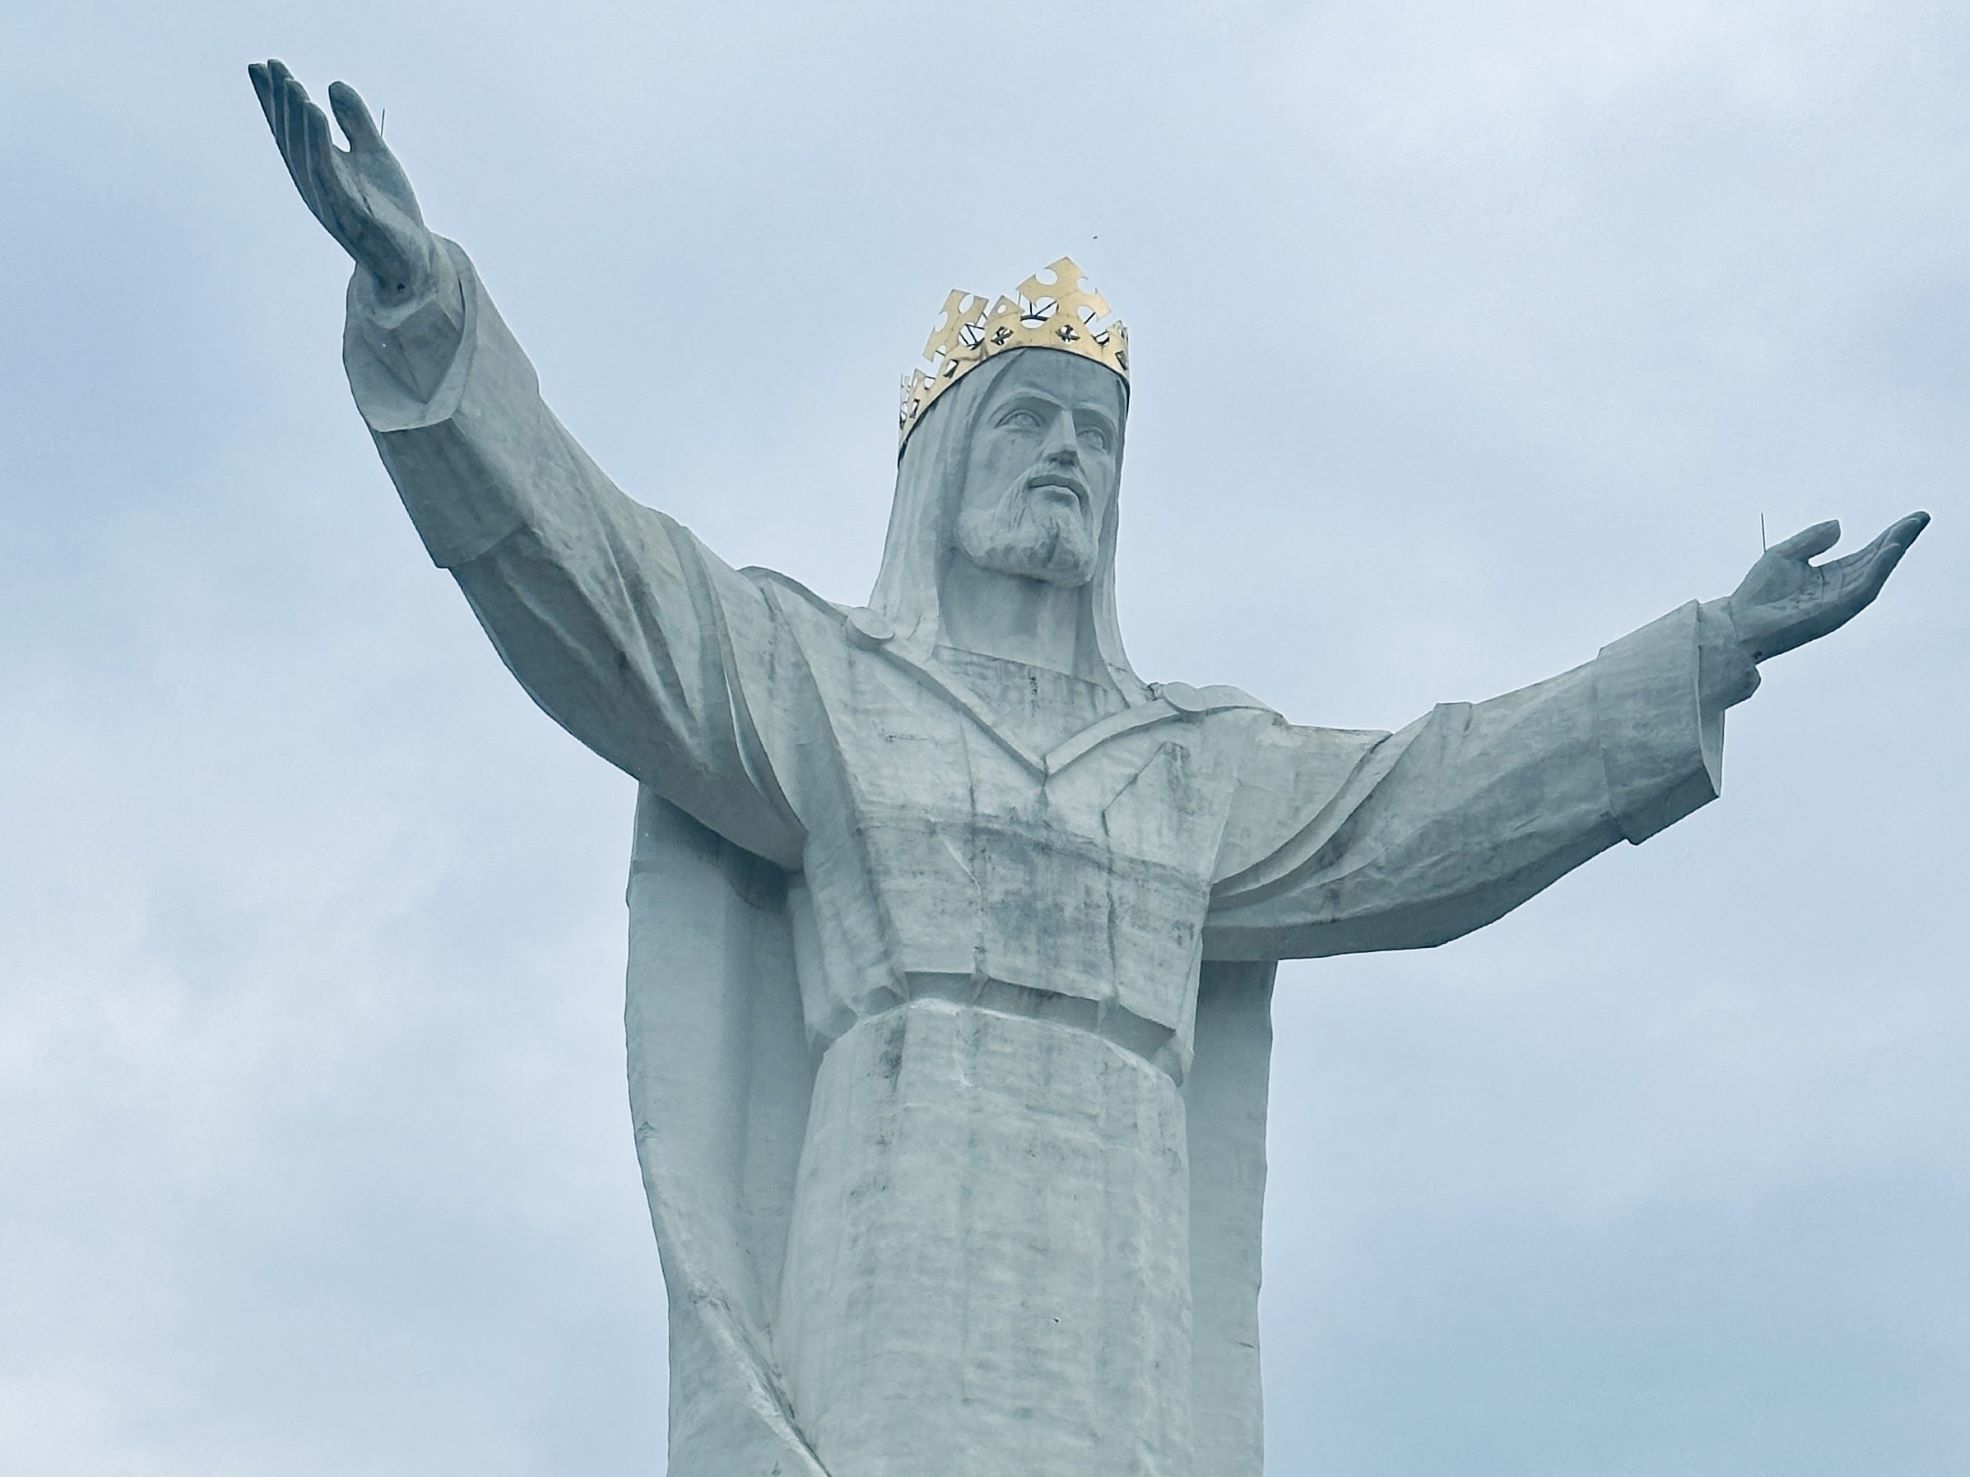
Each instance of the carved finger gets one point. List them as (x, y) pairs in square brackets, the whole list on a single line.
[(282, 84), (1906, 531), (1856, 564), (323, 157), (281, 121), (1858, 571), (1877, 572), (287, 119), (306, 167), (1809, 541), (304, 141), (263, 88), (353, 114)]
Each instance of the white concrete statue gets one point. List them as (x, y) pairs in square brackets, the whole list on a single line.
[(951, 939)]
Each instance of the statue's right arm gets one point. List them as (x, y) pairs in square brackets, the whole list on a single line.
[(613, 617)]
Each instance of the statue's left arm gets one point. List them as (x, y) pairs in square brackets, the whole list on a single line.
[(1345, 842)]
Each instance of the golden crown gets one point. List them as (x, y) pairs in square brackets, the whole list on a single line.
[(1062, 314)]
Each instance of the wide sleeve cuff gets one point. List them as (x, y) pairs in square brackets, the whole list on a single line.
[(1661, 743), (462, 455)]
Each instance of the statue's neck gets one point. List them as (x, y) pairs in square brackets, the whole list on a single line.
[(1021, 620)]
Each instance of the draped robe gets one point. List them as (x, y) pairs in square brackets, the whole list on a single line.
[(948, 1049)]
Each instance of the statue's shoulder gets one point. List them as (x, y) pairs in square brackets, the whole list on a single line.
[(796, 601), (857, 625), (1216, 698)]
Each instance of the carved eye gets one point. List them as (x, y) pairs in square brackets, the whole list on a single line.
[(1019, 420), (1095, 436)]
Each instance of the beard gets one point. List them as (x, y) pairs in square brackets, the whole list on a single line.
[(1029, 536)]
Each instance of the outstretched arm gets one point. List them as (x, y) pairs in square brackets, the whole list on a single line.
[(1352, 842), (616, 620)]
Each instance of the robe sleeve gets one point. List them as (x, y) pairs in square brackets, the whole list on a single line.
[(614, 618), (1346, 842)]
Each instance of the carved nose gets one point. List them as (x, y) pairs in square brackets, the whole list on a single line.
[(1061, 444)]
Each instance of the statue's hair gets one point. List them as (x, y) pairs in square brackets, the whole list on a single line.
[(923, 523)]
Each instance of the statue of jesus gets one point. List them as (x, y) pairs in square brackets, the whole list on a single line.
[(952, 939)]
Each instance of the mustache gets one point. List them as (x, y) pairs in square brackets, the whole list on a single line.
[(1056, 477)]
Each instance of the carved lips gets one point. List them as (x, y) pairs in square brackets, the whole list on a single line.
[(1051, 481)]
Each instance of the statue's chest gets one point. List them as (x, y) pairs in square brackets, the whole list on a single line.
[(1081, 868)]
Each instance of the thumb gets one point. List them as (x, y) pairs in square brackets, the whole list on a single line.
[(1809, 541), (353, 115)]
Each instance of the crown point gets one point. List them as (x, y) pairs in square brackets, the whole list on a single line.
[(1063, 314)]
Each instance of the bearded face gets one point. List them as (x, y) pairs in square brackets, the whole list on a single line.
[(1042, 469)]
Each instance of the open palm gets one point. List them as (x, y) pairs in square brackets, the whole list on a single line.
[(361, 195), (1786, 601)]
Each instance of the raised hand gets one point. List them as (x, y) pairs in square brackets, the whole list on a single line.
[(1785, 601), (361, 196)]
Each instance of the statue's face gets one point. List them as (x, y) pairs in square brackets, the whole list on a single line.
[(1042, 469)]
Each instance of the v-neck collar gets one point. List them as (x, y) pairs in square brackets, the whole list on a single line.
[(1043, 763)]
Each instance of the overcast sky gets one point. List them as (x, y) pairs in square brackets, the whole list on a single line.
[(1468, 338)]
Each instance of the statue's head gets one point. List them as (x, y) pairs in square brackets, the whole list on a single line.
[(1012, 456)]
